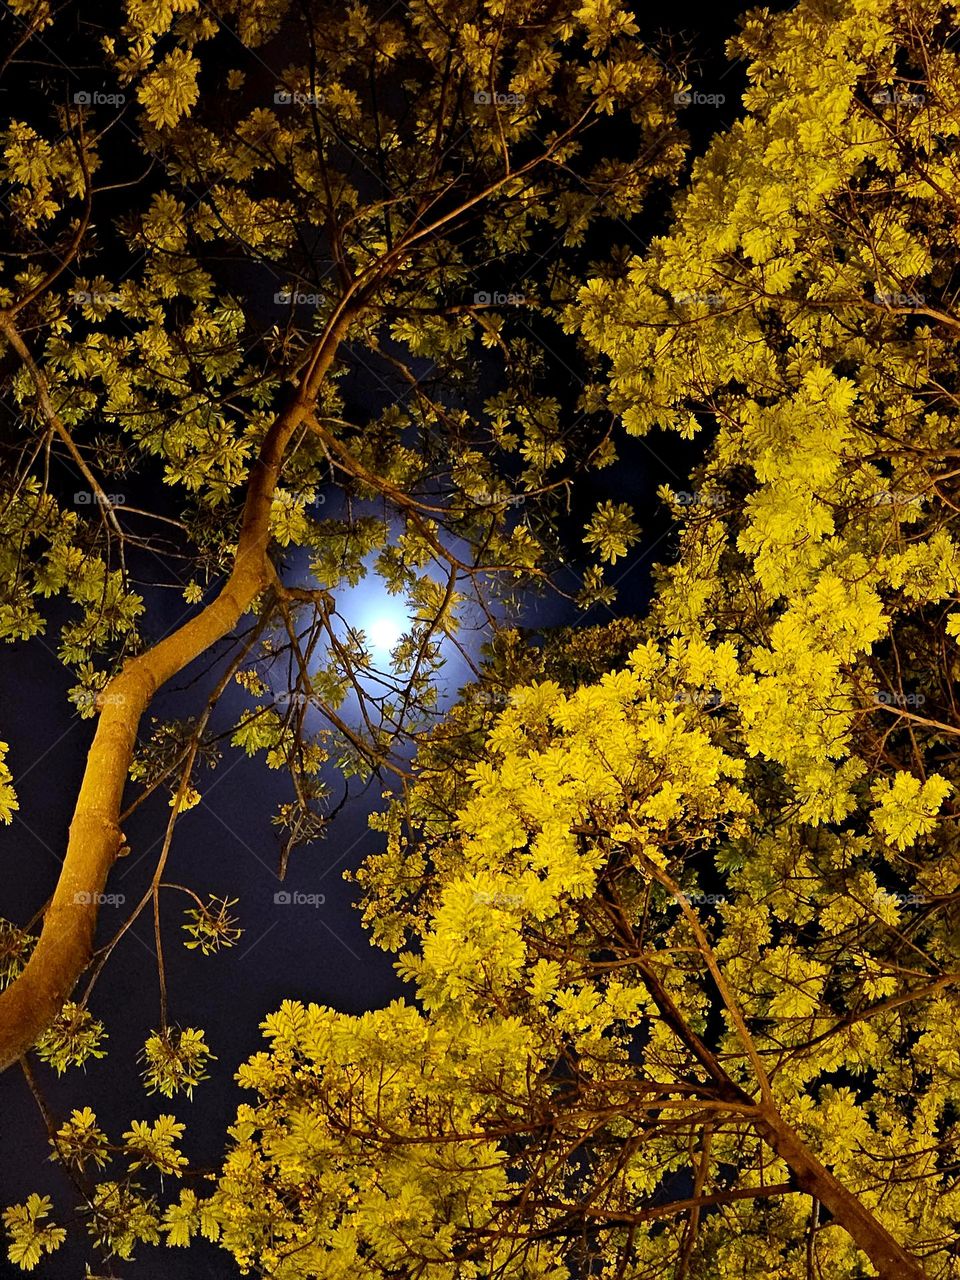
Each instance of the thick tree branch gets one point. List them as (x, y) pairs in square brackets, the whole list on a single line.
[(53, 420), (65, 945)]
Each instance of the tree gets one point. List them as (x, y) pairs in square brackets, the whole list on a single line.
[(682, 943), (367, 188)]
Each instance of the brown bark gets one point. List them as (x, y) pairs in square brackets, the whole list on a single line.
[(65, 945), (891, 1260), (889, 1257)]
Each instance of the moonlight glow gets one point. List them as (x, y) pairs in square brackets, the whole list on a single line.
[(384, 630)]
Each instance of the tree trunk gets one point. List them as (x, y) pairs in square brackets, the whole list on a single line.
[(890, 1259), (65, 945)]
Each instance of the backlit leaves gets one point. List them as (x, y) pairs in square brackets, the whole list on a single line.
[(612, 531), (168, 92), (73, 1037), (175, 1059), (30, 1236)]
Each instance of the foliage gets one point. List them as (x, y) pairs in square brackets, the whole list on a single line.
[(30, 1236), (693, 922), (175, 1058), (72, 1038), (15, 947), (675, 901), (211, 927), (155, 369), (8, 798), (162, 410)]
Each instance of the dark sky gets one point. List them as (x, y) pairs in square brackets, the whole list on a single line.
[(227, 846)]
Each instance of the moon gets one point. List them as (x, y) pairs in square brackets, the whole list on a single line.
[(383, 631)]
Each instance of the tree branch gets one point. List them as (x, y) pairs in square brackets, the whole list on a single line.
[(65, 945)]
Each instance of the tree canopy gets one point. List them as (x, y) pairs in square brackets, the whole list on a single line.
[(677, 914), (149, 351)]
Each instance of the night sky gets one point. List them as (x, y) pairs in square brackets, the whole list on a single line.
[(227, 845)]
